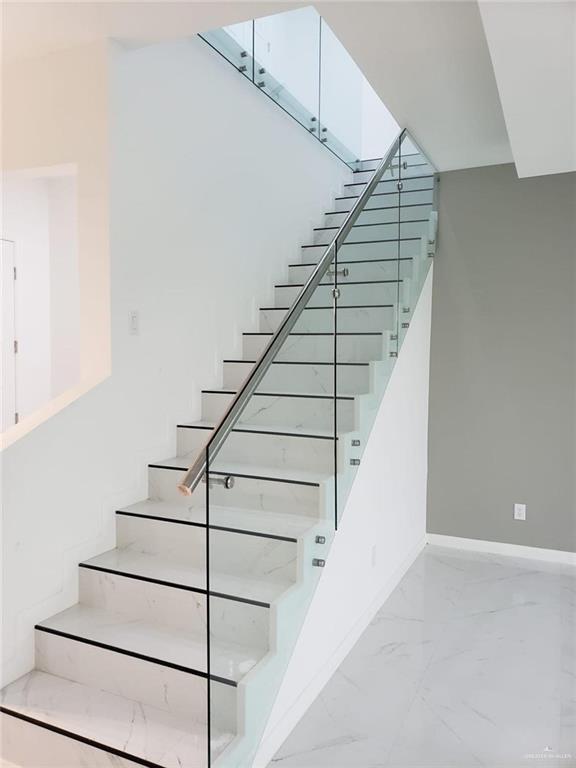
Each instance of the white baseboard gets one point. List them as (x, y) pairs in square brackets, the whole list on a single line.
[(274, 740), (501, 548)]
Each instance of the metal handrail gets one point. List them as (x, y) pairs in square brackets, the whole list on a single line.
[(229, 419)]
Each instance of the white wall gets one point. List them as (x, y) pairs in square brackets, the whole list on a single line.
[(7, 335), (382, 531), (55, 114), (64, 283), (213, 188), (533, 52)]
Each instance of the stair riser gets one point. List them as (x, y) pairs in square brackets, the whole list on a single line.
[(406, 197), (359, 271), (305, 412), (25, 745), (256, 449), (179, 609), (315, 379), (350, 349), (153, 684), (252, 493), (386, 214), (349, 320), (357, 294), (362, 250), (408, 185), (231, 553)]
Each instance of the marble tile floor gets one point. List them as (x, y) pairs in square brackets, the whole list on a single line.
[(470, 662)]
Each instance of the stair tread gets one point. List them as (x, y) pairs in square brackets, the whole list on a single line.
[(178, 574), (225, 467), (133, 728), (229, 662), (235, 518)]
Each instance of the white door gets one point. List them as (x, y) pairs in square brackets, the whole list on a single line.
[(8, 275)]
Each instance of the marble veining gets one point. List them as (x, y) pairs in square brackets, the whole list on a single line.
[(471, 662)]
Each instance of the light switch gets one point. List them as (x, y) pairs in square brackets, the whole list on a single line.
[(134, 323)]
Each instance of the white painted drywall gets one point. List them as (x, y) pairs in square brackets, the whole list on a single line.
[(429, 63), (7, 335), (62, 195), (213, 189), (382, 531), (55, 114)]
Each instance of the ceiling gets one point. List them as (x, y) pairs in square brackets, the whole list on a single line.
[(533, 50), (37, 28), (477, 82), (430, 64)]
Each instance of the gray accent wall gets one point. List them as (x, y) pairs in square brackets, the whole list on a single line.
[(503, 359)]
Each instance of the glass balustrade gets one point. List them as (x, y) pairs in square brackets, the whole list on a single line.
[(278, 469), (296, 59)]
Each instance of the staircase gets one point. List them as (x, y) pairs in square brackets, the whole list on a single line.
[(146, 669)]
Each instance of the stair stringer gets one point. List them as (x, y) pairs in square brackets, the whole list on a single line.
[(379, 536)]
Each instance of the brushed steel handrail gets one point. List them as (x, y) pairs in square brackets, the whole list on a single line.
[(234, 410)]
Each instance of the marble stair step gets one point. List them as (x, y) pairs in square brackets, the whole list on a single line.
[(321, 319), (122, 726), (233, 553), (290, 527), (360, 250), (178, 610), (141, 566), (293, 410), (370, 292), (390, 268), (370, 231), (411, 167), (147, 642), (255, 487), (405, 197), (383, 214), (369, 164), (237, 469), (302, 376), (309, 449), (350, 347), (417, 181)]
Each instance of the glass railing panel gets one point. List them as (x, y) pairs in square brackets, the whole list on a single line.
[(280, 474), (287, 55), (236, 43), (382, 265), (372, 261), (271, 509), (415, 167), (297, 60), (279, 470)]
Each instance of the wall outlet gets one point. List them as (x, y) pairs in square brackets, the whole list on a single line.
[(519, 511)]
